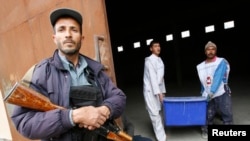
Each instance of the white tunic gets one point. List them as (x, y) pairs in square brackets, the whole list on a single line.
[(153, 83), (206, 73)]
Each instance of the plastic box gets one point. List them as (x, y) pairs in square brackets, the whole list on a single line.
[(184, 111)]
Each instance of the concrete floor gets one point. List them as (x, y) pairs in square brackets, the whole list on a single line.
[(138, 115)]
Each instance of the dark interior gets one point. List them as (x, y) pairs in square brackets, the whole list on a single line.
[(131, 22)]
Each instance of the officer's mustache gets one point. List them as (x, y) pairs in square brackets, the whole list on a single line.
[(69, 41)]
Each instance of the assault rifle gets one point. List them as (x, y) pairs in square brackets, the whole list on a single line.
[(26, 97)]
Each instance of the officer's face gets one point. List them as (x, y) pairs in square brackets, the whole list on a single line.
[(67, 36)]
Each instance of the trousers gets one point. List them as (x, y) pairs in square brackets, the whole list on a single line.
[(159, 130), (221, 105)]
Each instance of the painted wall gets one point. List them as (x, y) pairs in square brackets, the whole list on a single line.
[(26, 38)]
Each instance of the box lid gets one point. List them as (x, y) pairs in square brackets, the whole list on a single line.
[(183, 99)]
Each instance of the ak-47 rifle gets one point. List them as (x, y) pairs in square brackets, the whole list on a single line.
[(26, 97)]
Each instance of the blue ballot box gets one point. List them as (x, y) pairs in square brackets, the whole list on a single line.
[(185, 111)]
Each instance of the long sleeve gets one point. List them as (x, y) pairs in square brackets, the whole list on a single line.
[(219, 75)]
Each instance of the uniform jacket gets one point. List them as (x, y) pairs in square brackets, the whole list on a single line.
[(51, 79), (153, 83)]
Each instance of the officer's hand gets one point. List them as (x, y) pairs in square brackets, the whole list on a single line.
[(89, 117)]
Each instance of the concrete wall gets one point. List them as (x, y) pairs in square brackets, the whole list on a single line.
[(26, 38)]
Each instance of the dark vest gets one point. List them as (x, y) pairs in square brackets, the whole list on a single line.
[(86, 95)]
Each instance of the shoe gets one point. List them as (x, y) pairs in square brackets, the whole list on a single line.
[(204, 135)]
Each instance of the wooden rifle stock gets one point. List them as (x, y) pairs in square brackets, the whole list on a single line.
[(26, 97)]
